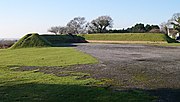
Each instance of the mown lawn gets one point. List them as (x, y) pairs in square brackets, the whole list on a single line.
[(44, 57), (33, 86)]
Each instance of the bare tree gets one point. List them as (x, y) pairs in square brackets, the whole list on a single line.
[(77, 25), (91, 28), (164, 28), (100, 24), (176, 21), (54, 30), (176, 17), (62, 30)]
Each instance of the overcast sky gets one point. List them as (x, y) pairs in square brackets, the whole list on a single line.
[(19, 17)]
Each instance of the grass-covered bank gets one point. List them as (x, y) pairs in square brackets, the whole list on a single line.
[(61, 56), (150, 37), (36, 40)]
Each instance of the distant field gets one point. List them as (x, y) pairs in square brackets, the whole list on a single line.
[(129, 37), (44, 57)]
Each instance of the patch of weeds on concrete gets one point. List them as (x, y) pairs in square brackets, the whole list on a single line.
[(140, 78)]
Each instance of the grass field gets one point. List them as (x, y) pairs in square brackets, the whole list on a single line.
[(44, 57), (129, 37), (33, 86)]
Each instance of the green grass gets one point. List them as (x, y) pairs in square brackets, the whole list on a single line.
[(129, 37), (31, 40), (44, 57), (31, 86)]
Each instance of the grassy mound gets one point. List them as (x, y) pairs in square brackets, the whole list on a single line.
[(130, 37), (36, 40), (31, 40)]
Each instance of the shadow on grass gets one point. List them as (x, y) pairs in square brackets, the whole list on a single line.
[(68, 93), (64, 40), (166, 94), (65, 45)]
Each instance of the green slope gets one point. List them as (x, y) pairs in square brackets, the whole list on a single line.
[(31, 40), (129, 37)]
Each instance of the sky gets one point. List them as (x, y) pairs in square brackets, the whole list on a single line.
[(19, 17)]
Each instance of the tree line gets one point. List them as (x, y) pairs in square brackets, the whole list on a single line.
[(104, 24), (79, 25), (138, 28)]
